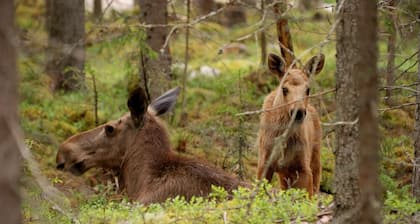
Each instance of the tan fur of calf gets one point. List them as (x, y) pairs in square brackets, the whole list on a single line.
[(299, 164)]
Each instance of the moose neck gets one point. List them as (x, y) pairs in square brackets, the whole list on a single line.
[(150, 147)]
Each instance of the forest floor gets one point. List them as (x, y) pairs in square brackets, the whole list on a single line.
[(213, 129)]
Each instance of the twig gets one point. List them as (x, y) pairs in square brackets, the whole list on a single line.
[(283, 105), (198, 20), (337, 123), (397, 107), (95, 99), (402, 63)]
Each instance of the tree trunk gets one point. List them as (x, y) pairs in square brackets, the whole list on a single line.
[(9, 154), (234, 15), (65, 53), (392, 38), (204, 6), (346, 174), (416, 165), (97, 9), (366, 73), (155, 72), (305, 5), (263, 41)]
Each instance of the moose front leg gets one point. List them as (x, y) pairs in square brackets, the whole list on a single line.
[(304, 180), (265, 147), (297, 179)]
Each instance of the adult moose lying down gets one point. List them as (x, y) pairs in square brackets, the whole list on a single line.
[(137, 146)]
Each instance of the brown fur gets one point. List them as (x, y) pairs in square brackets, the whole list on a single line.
[(148, 169), (299, 166)]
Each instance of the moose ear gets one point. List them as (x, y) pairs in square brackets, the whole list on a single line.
[(276, 65), (165, 102), (315, 64), (137, 104)]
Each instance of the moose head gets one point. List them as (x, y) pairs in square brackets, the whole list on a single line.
[(107, 145)]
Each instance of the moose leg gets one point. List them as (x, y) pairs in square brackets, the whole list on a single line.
[(304, 180), (316, 168), (262, 160), (265, 147), (284, 180), (262, 164)]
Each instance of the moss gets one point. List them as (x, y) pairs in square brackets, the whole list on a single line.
[(61, 128), (397, 121), (328, 163)]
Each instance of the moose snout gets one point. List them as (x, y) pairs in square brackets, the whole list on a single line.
[(300, 114), (60, 161)]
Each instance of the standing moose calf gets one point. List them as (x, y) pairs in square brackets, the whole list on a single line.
[(137, 147), (299, 166)]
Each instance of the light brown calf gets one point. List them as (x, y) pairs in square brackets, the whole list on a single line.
[(137, 147), (299, 162)]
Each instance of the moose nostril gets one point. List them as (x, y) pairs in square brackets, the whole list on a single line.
[(60, 166), (300, 115)]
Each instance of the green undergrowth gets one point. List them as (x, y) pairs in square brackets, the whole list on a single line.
[(263, 204)]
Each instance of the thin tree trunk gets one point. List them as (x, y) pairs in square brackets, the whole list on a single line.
[(66, 52), (204, 6), (156, 69), (392, 38), (305, 5), (366, 73), (234, 15), (416, 165), (9, 154), (346, 174), (97, 9), (184, 116), (263, 41), (285, 41), (283, 34)]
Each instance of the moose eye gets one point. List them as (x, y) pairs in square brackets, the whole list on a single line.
[(308, 90), (109, 130), (285, 91)]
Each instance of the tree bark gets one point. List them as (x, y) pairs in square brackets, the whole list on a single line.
[(392, 38), (346, 174), (263, 41), (416, 165), (234, 15), (155, 72), (66, 52), (204, 6), (97, 9), (366, 73), (305, 5), (9, 154)]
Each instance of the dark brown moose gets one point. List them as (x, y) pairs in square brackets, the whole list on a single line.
[(300, 164), (137, 147)]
